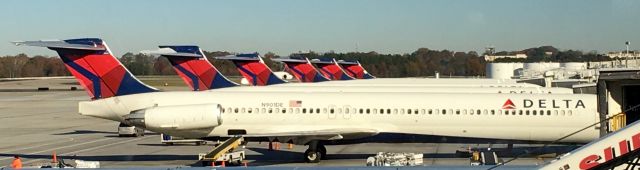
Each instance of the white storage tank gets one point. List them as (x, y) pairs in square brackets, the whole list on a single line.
[(574, 66), (500, 70)]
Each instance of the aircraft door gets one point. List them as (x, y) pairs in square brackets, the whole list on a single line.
[(346, 112), (332, 112)]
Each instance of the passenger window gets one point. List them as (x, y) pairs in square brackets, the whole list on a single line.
[(493, 112), (318, 111), (415, 111), (284, 110), (297, 110), (290, 110), (263, 110), (535, 112), (324, 110), (421, 111), (388, 111), (381, 111), (513, 112), (430, 111), (437, 111), (304, 110), (527, 112), (548, 112), (346, 111), (270, 110), (444, 112), (249, 110), (331, 111), (457, 111), (395, 111), (339, 110), (368, 111), (478, 112), (450, 111), (235, 110), (243, 110), (408, 111), (360, 111), (519, 112), (310, 110)]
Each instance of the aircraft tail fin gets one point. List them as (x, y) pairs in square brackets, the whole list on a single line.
[(302, 69), (193, 67), (253, 68), (330, 69), (355, 69), (91, 62)]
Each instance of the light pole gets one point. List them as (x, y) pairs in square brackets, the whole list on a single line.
[(627, 54)]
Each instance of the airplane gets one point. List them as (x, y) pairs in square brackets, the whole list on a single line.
[(252, 67), (302, 69), (355, 69), (305, 71), (317, 119), (609, 152), (193, 67), (330, 69)]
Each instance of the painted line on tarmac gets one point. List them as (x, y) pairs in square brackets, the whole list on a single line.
[(94, 148), (62, 147), (9, 151)]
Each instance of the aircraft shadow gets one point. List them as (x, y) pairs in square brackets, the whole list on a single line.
[(164, 157), (77, 132)]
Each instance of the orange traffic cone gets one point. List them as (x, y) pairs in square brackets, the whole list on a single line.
[(55, 158), (213, 163), (244, 163), (223, 164)]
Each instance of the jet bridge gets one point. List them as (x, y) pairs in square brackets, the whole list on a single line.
[(618, 91)]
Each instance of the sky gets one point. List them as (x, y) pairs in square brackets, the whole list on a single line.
[(288, 26)]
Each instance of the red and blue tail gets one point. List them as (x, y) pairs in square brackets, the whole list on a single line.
[(254, 69), (97, 70), (355, 69), (194, 68), (302, 69), (330, 68)]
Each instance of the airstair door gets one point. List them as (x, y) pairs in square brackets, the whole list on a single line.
[(332, 112), (346, 112)]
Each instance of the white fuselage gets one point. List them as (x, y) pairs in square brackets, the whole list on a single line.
[(439, 114), (417, 82), (415, 89)]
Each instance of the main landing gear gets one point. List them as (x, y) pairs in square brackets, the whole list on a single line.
[(315, 152)]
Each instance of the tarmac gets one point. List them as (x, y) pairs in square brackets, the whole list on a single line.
[(35, 124)]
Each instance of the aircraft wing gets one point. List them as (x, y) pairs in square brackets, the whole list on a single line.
[(303, 137)]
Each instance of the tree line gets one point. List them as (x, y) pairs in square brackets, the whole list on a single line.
[(422, 62)]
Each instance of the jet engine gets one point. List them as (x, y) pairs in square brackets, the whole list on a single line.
[(184, 117)]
